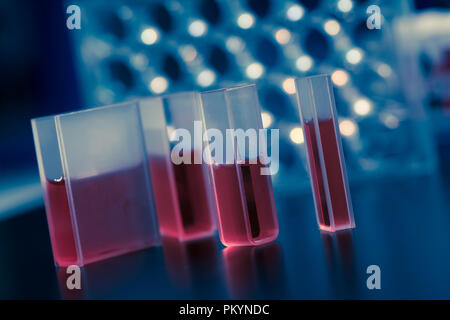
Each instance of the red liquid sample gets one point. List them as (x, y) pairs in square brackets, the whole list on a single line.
[(113, 213), (246, 217), (60, 224), (333, 169), (189, 216)]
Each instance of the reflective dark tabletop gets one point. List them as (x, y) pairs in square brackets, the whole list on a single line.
[(402, 225)]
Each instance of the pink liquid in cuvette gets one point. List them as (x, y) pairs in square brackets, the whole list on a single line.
[(190, 217), (247, 214), (60, 224), (113, 215), (339, 204)]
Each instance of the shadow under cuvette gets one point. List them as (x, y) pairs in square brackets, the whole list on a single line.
[(66, 282), (138, 275), (255, 272), (194, 267), (339, 253)]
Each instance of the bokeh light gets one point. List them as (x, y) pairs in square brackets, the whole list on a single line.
[(295, 12), (332, 27), (246, 21), (283, 36), (362, 107), (339, 77), (289, 85), (354, 56), (266, 118), (170, 133), (254, 70), (345, 5), (234, 44), (197, 28), (149, 36), (296, 135), (384, 70), (390, 121), (139, 61), (304, 63), (206, 78), (188, 53), (158, 85), (347, 127)]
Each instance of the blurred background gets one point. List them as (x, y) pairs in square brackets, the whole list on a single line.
[(392, 94), (391, 84)]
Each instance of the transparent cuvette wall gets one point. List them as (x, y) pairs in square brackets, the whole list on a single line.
[(243, 186), (328, 173), (94, 175)]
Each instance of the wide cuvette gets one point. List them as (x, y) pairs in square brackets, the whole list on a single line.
[(111, 211)]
